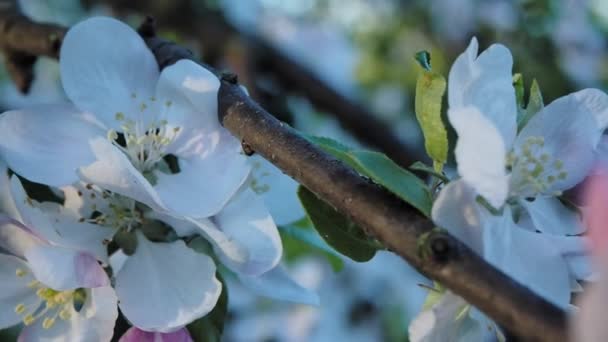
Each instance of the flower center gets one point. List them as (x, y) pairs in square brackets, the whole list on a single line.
[(539, 170), (111, 209), (145, 145), (52, 304)]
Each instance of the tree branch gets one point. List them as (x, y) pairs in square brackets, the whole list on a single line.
[(393, 222)]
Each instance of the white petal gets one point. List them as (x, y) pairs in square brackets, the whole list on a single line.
[(277, 284), (164, 286), (570, 134), (246, 221), (480, 154), (439, 324), (521, 254), (212, 170), (278, 190), (191, 91), (7, 203), (15, 237), (94, 322), (47, 144), (596, 102), (551, 216), (456, 210), (113, 171), (485, 82), (14, 290), (65, 269), (103, 62), (60, 228), (575, 251)]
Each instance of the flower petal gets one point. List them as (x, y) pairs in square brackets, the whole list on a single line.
[(94, 322), (65, 269), (246, 222), (164, 286), (456, 210), (14, 289), (596, 102), (480, 154), (103, 63), (440, 323), (7, 203), (136, 335), (187, 98), (60, 228), (210, 174), (16, 238), (521, 253), (569, 136), (551, 216), (45, 150), (485, 82), (113, 171), (278, 190), (277, 284)]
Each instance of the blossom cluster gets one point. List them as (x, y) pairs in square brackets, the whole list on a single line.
[(507, 202), (152, 199)]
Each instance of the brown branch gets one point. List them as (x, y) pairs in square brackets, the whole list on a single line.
[(22, 41), (393, 222)]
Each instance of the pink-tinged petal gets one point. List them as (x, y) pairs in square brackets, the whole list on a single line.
[(212, 169), (103, 64), (46, 150), (65, 269), (164, 286), (596, 197), (589, 323), (135, 334), (94, 322), (14, 290), (15, 237)]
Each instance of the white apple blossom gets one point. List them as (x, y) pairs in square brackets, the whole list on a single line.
[(106, 153), (56, 292), (525, 170)]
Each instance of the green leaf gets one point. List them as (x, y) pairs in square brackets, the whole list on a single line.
[(340, 233), (210, 328), (301, 239), (422, 167), (430, 88), (383, 171), (10, 334), (535, 105), (399, 181)]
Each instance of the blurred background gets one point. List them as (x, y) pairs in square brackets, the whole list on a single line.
[(345, 69)]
